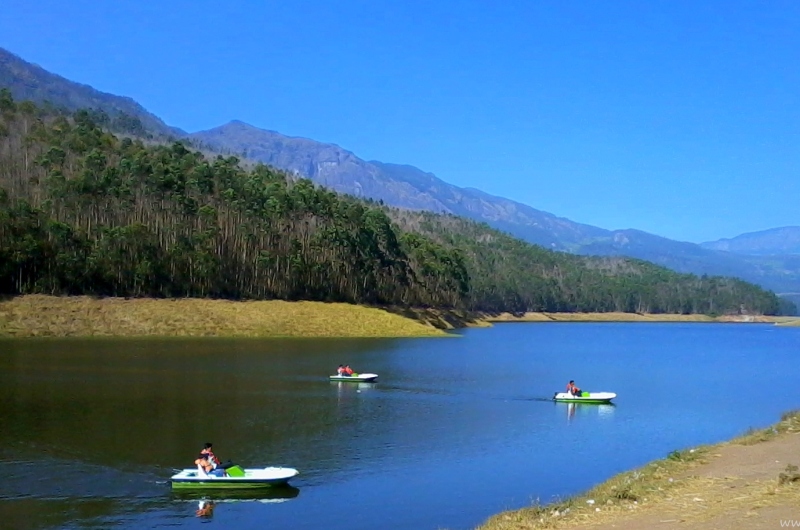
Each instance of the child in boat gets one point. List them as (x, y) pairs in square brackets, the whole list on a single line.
[(207, 467), (348, 371), (572, 389)]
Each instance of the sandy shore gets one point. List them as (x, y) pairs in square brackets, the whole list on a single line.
[(751, 482)]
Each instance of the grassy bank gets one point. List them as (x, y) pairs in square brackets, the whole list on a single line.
[(48, 316), (633, 317), (706, 487)]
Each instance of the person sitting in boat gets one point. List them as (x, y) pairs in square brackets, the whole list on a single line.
[(573, 389), (208, 450), (348, 371), (212, 458), (340, 370), (206, 467)]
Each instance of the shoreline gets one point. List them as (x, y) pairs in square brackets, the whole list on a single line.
[(639, 317), (84, 316), (752, 478)]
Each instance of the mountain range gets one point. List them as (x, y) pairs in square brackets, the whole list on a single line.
[(769, 258)]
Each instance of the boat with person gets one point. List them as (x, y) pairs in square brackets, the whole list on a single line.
[(354, 378), (235, 477), (585, 397)]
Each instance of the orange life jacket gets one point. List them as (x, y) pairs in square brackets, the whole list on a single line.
[(348, 370)]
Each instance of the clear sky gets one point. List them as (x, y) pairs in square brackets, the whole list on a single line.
[(680, 118)]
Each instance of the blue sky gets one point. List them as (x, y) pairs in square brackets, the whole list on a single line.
[(677, 118)]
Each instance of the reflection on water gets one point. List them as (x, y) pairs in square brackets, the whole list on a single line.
[(274, 494), (208, 501), (91, 430), (205, 509), (604, 411), (346, 387)]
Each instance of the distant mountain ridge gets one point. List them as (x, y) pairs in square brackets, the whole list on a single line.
[(406, 186), (783, 240), (398, 185), (409, 187), (29, 81)]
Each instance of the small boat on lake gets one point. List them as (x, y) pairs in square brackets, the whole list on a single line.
[(355, 378), (237, 478), (585, 397)]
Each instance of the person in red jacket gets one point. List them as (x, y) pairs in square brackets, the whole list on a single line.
[(207, 450), (212, 458), (572, 389), (348, 370), (202, 462)]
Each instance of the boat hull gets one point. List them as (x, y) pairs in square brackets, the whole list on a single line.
[(360, 378), (596, 398), (191, 479)]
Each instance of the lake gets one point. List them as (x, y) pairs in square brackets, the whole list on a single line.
[(454, 431)]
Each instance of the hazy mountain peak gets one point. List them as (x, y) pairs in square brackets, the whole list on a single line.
[(782, 240), (32, 82)]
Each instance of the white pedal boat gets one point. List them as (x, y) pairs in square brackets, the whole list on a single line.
[(355, 378), (585, 397), (250, 478)]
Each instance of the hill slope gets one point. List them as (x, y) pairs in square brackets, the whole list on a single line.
[(775, 241), (27, 81), (406, 186), (97, 214), (398, 185)]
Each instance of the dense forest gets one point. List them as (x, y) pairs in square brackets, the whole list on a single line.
[(83, 211)]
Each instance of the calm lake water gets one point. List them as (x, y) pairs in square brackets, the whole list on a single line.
[(454, 431)]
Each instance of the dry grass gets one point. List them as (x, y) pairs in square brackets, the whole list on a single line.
[(442, 318), (48, 316), (622, 493), (666, 491), (787, 321), (790, 423)]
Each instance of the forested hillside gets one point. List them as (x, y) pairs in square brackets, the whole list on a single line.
[(510, 274), (84, 212)]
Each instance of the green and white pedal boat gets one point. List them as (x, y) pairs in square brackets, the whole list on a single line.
[(355, 378), (238, 478), (585, 397)]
